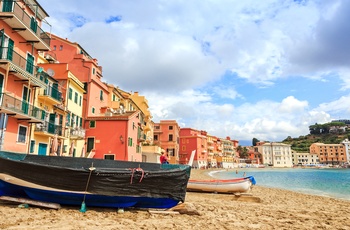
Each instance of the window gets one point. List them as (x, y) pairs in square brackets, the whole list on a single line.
[(80, 98), (113, 97), (92, 124), (93, 70), (54, 47), (109, 156), (70, 94), (155, 137), (170, 127), (170, 137), (61, 47), (93, 110), (101, 95), (76, 98), (22, 134), (129, 141)]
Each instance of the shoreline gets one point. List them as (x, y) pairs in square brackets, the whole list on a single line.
[(277, 209)]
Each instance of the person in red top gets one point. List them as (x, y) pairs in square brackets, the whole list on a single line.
[(164, 158)]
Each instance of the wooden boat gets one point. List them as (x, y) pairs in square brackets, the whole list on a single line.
[(92, 182), (236, 185)]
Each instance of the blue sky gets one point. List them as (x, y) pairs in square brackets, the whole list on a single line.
[(244, 69)]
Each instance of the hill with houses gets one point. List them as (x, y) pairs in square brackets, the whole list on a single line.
[(329, 133)]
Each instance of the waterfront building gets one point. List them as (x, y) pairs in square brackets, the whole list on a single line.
[(305, 159), (333, 154), (192, 139), (275, 154), (21, 38), (346, 144), (167, 136)]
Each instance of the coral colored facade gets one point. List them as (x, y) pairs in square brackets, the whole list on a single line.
[(21, 39), (191, 139), (167, 136), (115, 137)]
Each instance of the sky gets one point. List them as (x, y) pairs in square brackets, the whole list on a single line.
[(240, 69)]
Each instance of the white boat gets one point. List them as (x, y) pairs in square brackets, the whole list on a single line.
[(236, 185)]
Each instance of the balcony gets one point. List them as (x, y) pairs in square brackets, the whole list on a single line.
[(24, 24), (50, 95), (21, 67), (21, 110), (50, 129), (77, 133)]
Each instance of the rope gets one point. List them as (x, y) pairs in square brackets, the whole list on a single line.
[(87, 184), (137, 170)]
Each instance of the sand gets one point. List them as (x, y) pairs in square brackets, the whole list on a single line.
[(277, 209)]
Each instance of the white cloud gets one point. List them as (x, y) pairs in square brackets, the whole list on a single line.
[(176, 52)]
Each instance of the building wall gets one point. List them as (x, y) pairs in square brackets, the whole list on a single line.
[(329, 153)]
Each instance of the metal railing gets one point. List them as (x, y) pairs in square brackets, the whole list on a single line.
[(15, 58), (22, 107), (52, 92), (77, 133), (27, 20), (50, 128)]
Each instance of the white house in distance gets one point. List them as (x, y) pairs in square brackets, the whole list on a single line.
[(305, 159), (276, 154)]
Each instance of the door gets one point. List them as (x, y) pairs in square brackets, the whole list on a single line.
[(26, 98), (51, 128), (90, 144), (42, 149), (30, 64)]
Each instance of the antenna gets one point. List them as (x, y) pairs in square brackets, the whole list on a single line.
[(50, 72)]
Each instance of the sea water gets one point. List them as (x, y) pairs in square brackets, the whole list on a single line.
[(325, 182)]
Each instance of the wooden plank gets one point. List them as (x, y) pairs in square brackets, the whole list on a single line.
[(162, 212), (32, 202)]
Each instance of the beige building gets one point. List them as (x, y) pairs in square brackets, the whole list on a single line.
[(305, 159), (276, 154)]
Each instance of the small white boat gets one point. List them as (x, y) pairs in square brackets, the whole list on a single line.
[(236, 185)]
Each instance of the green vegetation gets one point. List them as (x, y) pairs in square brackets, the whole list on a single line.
[(329, 133)]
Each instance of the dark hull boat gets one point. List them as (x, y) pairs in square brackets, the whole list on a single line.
[(94, 182)]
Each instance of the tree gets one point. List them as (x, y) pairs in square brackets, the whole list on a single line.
[(254, 141)]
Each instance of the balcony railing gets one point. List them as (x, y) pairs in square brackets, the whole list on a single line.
[(52, 92), (21, 109), (50, 128), (20, 64), (78, 133), (12, 8)]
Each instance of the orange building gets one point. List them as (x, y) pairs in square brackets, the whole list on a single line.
[(166, 135), (334, 154), (192, 139), (115, 137), (21, 38)]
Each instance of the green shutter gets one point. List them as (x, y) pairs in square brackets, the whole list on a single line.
[(30, 64), (33, 24), (32, 144), (10, 50), (7, 5)]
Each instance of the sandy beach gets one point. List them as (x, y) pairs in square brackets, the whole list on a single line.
[(270, 209)]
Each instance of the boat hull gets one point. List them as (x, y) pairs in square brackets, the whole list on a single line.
[(104, 184), (237, 185)]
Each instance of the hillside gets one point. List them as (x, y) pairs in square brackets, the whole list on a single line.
[(302, 143)]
